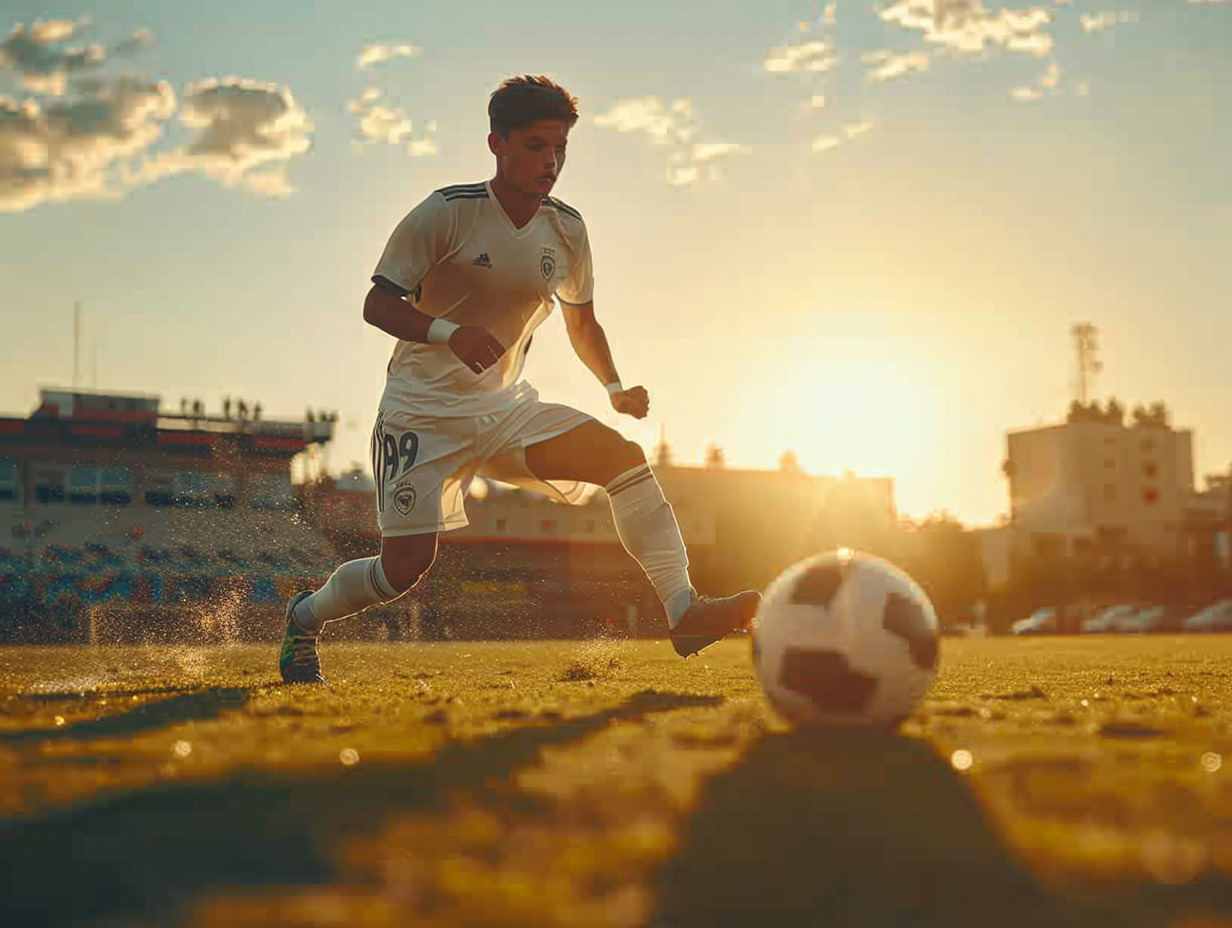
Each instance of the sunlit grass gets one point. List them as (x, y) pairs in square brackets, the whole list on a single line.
[(1050, 781)]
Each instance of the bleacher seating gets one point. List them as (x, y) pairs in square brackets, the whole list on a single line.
[(152, 555)]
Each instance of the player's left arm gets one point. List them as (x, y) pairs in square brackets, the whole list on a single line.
[(590, 344)]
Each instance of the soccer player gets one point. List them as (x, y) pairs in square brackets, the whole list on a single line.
[(466, 278)]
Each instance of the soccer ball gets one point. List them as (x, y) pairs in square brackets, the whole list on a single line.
[(845, 638)]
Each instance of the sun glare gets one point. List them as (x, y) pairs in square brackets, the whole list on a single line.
[(852, 411)]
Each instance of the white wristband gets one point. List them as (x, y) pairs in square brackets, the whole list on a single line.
[(613, 387), (440, 330)]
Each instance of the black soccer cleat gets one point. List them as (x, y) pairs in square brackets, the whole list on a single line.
[(709, 620), (297, 660)]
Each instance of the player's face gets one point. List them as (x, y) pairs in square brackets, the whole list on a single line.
[(531, 159)]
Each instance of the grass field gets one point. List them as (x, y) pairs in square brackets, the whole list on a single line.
[(1044, 782)]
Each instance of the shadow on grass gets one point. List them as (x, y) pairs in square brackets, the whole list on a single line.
[(185, 707), (155, 850), (847, 829)]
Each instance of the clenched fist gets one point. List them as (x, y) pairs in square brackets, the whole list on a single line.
[(475, 347), (633, 402)]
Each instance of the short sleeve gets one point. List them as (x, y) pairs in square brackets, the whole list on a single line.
[(579, 287), (418, 244)]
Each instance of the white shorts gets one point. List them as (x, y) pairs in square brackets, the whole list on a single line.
[(424, 465)]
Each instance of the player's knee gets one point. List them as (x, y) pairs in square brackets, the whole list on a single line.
[(405, 569), (630, 455)]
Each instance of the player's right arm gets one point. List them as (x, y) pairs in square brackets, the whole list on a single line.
[(424, 238), (473, 345)]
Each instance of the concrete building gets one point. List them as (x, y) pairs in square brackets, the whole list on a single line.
[(1094, 483), (1111, 492)]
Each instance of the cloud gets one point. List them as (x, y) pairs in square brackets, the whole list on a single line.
[(812, 55), (391, 125), (825, 143), (662, 124), (142, 38), (379, 54), (684, 175), (674, 126), (72, 148), (379, 123), (245, 132), (891, 65), (1046, 83), (709, 151), (37, 54), (44, 64), (701, 161), (1098, 22), (965, 26), (829, 142), (96, 135)]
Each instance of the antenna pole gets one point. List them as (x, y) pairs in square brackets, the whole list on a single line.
[(1088, 361), (76, 341)]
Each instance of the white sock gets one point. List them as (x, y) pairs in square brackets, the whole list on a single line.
[(647, 528), (351, 588)]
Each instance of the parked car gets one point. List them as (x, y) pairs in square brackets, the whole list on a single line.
[(1108, 620), (1217, 617), (1040, 622), (1156, 618), (1141, 621)]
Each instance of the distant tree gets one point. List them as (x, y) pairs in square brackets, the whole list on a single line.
[(715, 459), (789, 463), (939, 520), (1114, 412)]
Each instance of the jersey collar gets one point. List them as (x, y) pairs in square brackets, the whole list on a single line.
[(505, 220)]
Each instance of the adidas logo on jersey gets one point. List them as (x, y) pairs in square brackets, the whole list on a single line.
[(483, 260)]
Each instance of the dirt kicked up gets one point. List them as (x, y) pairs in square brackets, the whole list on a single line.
[(1043, 782)]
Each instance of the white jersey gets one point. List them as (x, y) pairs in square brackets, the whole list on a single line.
[(458, 256)]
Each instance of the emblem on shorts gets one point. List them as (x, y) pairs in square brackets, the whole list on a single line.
[(547, 264), (404, 499)]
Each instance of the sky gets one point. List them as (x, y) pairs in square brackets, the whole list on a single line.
[(861, 232)]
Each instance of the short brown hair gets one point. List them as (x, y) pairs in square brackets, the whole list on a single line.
[(519, 101)]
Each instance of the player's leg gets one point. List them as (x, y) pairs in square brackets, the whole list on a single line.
[(591, 452), (417, 495), (353, 587), (368, 581), (647, 527)]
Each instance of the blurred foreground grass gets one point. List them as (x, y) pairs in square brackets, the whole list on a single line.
[(1044, 782)]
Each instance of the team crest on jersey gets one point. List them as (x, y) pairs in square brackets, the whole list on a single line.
[(483, 260), (547, 265), (404, 498)]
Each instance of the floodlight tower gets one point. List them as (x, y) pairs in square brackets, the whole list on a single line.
[(1088, 361)]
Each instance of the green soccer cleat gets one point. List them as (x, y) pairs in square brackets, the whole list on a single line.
[(708, 620), (298, 661)]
